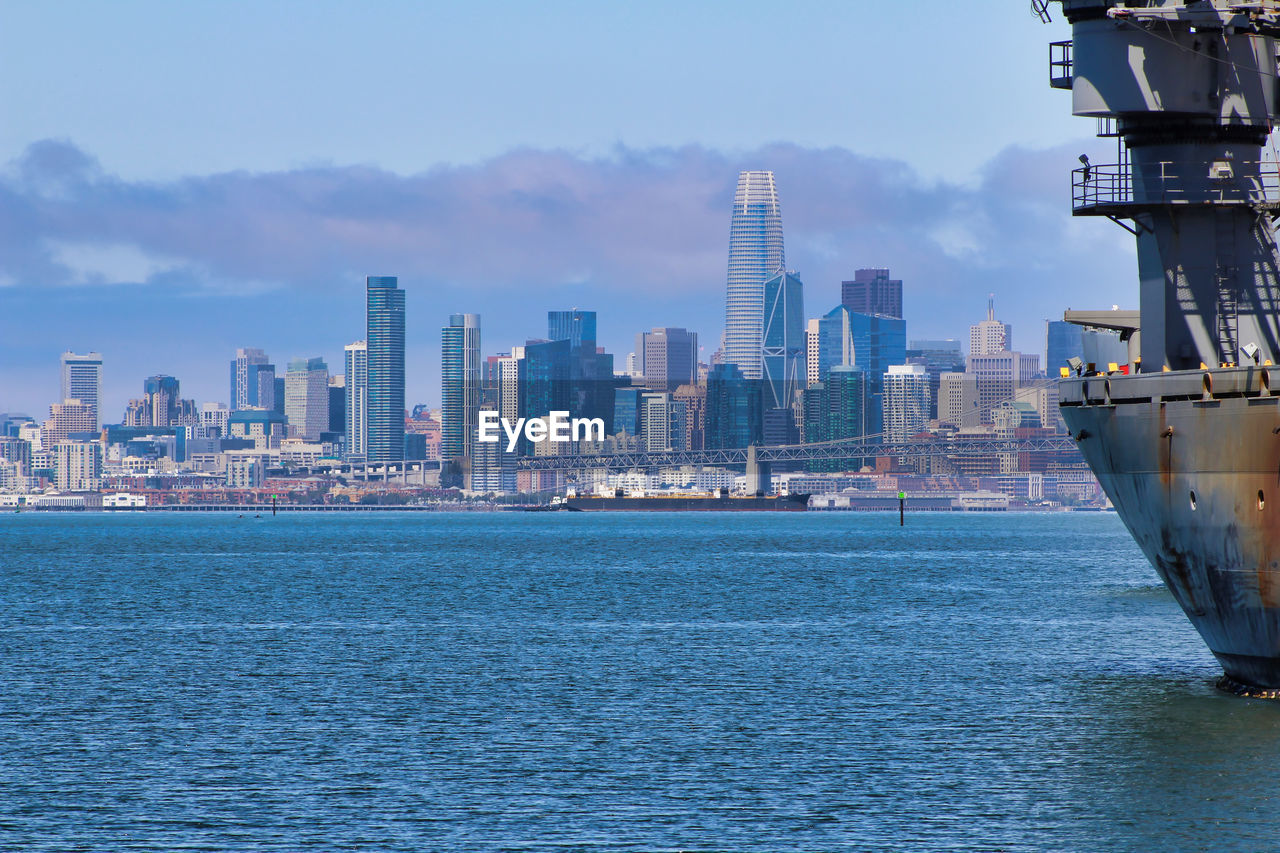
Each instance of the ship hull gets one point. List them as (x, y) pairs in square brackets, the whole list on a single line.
[(1192, 463)]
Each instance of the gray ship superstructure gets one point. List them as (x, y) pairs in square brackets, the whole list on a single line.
[(1185, 438)]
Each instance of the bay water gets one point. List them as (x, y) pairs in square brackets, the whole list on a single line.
[(564, 681)]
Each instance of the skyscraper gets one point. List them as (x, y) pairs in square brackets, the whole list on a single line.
[(574, 326), (82, 380), (668, 358), (878, 342), (162, 400), (460, 384), (783, 347), (253, 380), (384, 320), (755, 253), (356, 357), (990, 336), (306, 397), (872, 292)]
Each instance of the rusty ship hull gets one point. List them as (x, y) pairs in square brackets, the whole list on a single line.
[(1191, 460)]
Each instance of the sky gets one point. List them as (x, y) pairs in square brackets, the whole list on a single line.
[(181, 179)]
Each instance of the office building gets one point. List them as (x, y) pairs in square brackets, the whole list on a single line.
[(755, 253), (783, 350), (460, 384), (990, 335), (337, 430), (958, 400), (306, 398), (266, 429), (356, 364), (70, 417), (938, 357), (590, 367), (575, 326), (735, 411), (162, 399), (906, 401), (82, 380), (668, 358), (872, 292), (878, 342), (384, 340), (998, 375), (828, 343), (253, 380)]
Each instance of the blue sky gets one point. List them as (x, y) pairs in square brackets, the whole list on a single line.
[(177, 180)]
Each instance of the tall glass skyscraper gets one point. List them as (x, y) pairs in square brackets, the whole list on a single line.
[(385, 345), (755, 253), (460, 381), (784, 339), (574, 326)]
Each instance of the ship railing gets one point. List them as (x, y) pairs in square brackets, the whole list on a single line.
[(1119, 189), (1060, 64)]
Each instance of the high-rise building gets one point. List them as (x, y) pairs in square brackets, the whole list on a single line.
[(70, 417), (837, 409), (213, 420), (306, 397), (337, 429), (253, 380), (872, 292), (906, 401), (356, 358), (662, 422), (460, 384), (990, 336), (576, 327), (668, 358), (878, 342), (492, 469), (998, 375), (82, 380), (694, 398), (755, 253), (783, 349), (162, 400), (735, 411), (829, 343), (938, 357), (78, 466), (958, 400), (590, 367), (384, 339)]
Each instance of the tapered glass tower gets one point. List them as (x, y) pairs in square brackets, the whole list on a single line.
[(385, 343), (755, 254)]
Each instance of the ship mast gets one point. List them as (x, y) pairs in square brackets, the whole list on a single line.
[(1189, 90)]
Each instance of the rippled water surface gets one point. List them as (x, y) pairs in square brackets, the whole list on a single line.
[(612, 682)]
